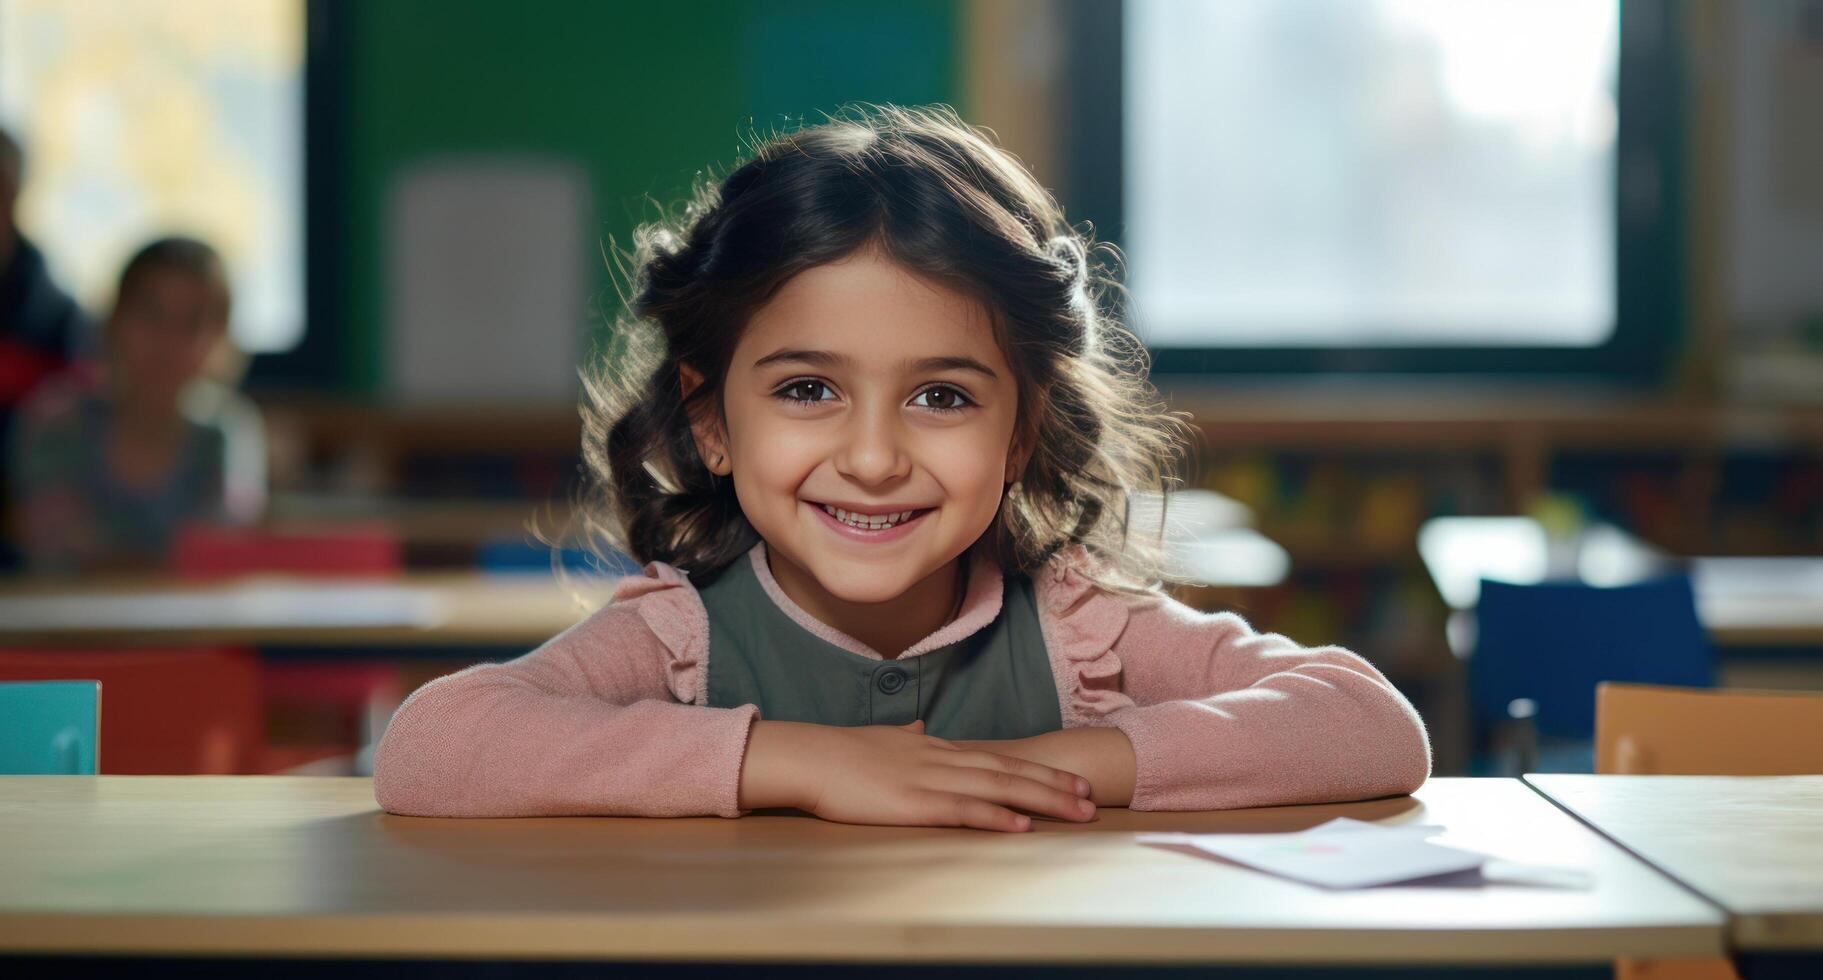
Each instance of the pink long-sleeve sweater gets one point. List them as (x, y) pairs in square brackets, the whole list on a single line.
[(611, 716)]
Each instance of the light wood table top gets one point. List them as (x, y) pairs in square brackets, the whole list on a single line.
[(440, 609), (280, 866), (1751, 844)]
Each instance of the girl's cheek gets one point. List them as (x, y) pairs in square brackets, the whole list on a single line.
[(976, 469)]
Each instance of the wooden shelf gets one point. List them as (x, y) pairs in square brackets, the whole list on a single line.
[(470, 428), (1295, 416), (1328, 553)]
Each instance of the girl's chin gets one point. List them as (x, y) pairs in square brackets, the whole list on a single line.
[(863, 582), (860, 588)]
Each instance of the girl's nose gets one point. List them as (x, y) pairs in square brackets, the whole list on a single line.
[(872, 451)]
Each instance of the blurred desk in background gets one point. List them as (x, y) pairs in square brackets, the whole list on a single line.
[(414, 610), (1760, 601), (1741, 601)]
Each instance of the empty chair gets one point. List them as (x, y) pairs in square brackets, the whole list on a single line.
[(1548, 646), (1642, 729), (49, 728), (324, 702), (214, 551), (518, 555)]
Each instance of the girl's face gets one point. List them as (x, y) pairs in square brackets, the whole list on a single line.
[(862, 394)]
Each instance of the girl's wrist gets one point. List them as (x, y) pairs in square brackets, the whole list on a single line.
[(776, 771)]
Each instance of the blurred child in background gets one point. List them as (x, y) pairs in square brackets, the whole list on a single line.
[(109, 464)]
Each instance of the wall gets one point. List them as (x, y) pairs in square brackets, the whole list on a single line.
[(643, 95)]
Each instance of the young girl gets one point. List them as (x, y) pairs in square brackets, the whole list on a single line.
[(108, 467), (875, 444)]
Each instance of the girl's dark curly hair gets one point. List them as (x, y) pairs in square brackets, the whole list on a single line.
[(939, 197)]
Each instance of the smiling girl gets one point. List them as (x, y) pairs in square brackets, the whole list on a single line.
[(874, 436)]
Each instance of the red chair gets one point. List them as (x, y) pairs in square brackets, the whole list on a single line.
[(163, 712), (313, 702), (215, 551)]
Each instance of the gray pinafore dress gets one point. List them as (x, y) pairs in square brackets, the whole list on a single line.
[(993, 684)]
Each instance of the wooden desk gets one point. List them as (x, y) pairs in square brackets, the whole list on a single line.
[(449, 609), (274, 866), (1751, 844)]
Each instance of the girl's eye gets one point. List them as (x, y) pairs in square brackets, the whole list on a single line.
[(804, 391), (941, 398)]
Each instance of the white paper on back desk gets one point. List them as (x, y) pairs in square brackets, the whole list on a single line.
[(1346, 853)]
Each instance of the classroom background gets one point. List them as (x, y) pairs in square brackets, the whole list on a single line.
[(1502, 323)]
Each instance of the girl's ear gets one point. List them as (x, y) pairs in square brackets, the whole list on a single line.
[(1018, 454), (711, 443)]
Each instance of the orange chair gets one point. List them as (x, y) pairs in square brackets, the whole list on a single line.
[(163, 712), (1676, 731), (323, 702), (1646, 729)]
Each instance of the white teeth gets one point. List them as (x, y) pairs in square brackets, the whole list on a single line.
[(873, 522)]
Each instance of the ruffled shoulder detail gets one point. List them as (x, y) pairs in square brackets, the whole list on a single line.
[(674, 612), (1082, 622)]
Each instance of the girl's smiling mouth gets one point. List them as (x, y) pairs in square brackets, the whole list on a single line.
[(877, 525)]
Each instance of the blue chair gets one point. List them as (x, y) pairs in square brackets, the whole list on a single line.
[(1546, 647), (516, 556), (49, 728)]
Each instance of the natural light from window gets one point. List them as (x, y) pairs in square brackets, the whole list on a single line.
[(1363, 173)]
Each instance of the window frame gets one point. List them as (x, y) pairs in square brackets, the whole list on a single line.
[(1650, 181), (320, 359)]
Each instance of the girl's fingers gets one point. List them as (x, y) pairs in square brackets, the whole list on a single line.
[(961, 810), (1003, 787), (1068, 782)]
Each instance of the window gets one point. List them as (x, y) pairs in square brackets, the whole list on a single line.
[(1397, 185), (145, 119)]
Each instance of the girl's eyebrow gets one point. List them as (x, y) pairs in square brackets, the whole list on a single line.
[(824, 358)]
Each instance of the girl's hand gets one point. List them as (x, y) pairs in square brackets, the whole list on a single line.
[(1103, 755), (898, 775), (879, 774)]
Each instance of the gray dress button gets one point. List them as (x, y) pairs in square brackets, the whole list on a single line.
[(891, 680)]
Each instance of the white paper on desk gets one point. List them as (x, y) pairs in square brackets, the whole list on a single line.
[(1340, 854)]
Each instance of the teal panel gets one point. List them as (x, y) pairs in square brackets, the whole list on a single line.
[(49, 728), (808, 57)]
